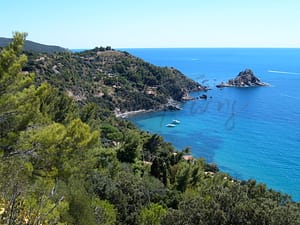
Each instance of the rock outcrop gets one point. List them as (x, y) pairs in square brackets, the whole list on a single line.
[(244, 79)]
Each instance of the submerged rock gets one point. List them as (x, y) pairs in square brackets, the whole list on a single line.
[(204, 96), (244, 79)]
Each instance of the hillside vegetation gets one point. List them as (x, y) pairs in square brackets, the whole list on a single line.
[(63, 162), (34, 47), (113, 79)]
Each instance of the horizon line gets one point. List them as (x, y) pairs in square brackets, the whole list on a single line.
[(224, 47)]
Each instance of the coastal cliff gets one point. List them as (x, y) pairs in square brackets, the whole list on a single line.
[(245, 78)]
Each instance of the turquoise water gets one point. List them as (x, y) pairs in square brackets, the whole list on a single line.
[(251, 133)]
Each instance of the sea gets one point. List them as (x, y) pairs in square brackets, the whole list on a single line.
[(250, 133)]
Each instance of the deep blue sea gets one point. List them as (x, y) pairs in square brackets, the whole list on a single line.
[(251, 133)]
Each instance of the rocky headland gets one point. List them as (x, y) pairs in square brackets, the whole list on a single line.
[(112, 79), (245, 78)]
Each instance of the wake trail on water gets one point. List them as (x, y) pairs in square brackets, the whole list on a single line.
[(283, 72), (290, 96)]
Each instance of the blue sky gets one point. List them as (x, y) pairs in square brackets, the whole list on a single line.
[(154, 23)]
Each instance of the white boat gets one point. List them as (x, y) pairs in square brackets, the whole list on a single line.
[(170, 125), (175, 122)]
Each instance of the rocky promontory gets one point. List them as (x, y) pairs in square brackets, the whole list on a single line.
[(245, 78), (113, 79)]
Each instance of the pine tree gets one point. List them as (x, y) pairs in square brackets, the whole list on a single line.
[(19, 105)]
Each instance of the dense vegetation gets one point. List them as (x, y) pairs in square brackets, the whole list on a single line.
[(112, 79), (65, 163), (34, 47)]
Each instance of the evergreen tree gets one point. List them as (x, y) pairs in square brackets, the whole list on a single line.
[(19, 105)]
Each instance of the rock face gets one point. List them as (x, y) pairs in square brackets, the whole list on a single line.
[(172, 105), (244, 79)]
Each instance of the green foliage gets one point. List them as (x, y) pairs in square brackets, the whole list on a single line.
[(60, 147), (111, 79), (104, 211), (111, 133), (56, 105), (80, 210), (33, 46), (152, 215), (130, 149), (68, 163), (18, 103)]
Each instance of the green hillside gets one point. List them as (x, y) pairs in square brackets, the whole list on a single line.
[(34, 47), (112, 79)]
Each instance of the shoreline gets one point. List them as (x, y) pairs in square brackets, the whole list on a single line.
[(132, 113), (172, 105)]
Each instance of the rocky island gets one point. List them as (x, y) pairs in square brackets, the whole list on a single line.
[(243, 79)]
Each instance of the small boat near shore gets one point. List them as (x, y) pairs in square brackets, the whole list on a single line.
[(175, 122), (170, 125)]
